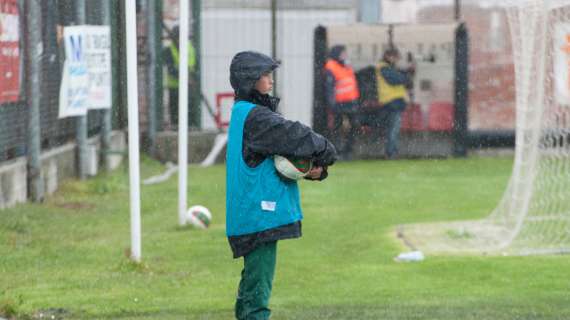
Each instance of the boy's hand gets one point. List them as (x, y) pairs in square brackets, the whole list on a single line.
[(317, 173)]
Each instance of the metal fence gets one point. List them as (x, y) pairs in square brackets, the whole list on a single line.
[(14, 116), (220, 28)]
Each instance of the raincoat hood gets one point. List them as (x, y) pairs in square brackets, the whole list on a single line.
[(335, 53), (246, 68)]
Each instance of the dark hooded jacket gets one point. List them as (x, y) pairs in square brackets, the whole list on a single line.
[(267, 133)]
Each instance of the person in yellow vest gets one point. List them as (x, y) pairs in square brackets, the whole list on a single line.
[(172, 61), (393, 97), (342, 94)]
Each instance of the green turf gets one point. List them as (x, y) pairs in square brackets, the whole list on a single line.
[(69, 253)]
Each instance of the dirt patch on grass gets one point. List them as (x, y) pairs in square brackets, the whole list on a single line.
[(75, 205), (453, 238)]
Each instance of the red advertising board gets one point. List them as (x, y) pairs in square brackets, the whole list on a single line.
[(9, 51)]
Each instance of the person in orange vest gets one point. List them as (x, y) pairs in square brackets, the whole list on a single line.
[(393, 85), (342, 97)]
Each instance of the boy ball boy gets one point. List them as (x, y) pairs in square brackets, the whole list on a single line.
[(261, 207)]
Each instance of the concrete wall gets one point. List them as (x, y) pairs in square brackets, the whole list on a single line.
[(13, 183), (199, 145), (225, 32), (411, 145), (367, 146), (58, 164)]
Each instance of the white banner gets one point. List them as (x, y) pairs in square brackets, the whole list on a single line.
[(86, 77), (562, 63)]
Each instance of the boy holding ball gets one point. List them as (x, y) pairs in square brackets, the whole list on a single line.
[(261, 207)]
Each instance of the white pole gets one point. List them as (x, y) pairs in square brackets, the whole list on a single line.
[(132, 93), (183, 111)]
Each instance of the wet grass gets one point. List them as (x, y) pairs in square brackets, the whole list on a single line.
[(66, 257)]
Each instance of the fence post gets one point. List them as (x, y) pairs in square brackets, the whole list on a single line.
[(457, 7), (120, 63), (319, 59), (81, 130), (274, 42), (34, 53), (196, 90), (461, 91), (154, 83), (106, 125), (159, 66)]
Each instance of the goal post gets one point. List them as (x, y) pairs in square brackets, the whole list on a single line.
[(183, 113), (133, 116)]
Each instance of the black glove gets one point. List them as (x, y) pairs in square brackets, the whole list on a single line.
[(327, 157)]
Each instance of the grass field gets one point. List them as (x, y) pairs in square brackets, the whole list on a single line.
[(67, 257)]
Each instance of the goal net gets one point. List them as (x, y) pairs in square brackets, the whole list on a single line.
[(533, 216)]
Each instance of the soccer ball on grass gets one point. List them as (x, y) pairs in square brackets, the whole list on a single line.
[(199, 217)]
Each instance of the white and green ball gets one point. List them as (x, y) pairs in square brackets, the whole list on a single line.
[(292, 169), (199, 217)]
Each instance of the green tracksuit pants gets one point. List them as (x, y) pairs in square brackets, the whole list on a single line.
[(256, 282)]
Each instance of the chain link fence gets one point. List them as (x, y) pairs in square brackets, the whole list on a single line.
[(222, 28), (54, 131)]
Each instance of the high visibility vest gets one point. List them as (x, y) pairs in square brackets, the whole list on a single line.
[(256, 198), (387, 92), (173, 81), (346, 87)]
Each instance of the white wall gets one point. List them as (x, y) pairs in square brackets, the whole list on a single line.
[(228, 31)]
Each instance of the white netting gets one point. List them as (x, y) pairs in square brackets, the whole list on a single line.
[(534, 215), (543, 135)]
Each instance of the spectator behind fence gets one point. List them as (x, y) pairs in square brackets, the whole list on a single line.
[(171, 55), (342, 96), (393, 97)]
